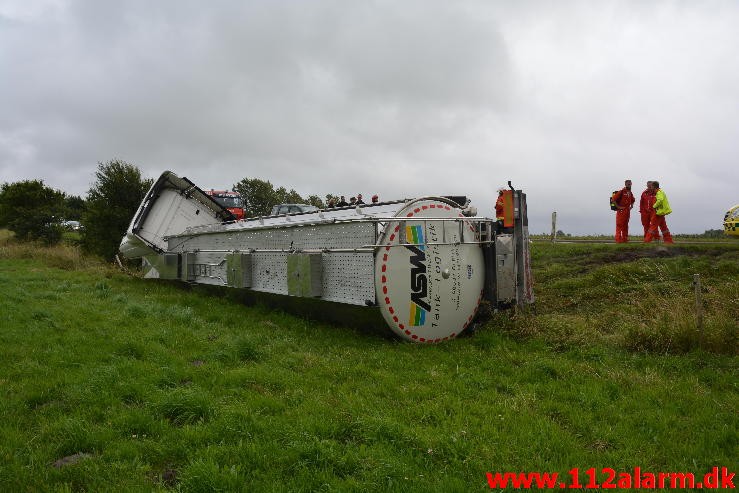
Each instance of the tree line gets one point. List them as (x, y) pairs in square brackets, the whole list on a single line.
[(34, 211)]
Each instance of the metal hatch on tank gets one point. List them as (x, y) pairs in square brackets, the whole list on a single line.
[(426, 264), (429, 273)]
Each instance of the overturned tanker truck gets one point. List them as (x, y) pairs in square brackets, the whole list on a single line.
[(426, 264)]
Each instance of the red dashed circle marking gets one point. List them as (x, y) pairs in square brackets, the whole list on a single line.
[(384, 280), (384, 290)]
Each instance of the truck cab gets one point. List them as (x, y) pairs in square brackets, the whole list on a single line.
[(229, 200)]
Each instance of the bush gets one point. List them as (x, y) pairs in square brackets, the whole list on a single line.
[(32, 211), (111, 203)]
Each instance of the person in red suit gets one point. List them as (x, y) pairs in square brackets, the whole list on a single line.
[(660, 208), (646, 205), (499, 215), (624, 200)]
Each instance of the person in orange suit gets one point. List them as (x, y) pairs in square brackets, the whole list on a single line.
[(624, 200), (646, 204), (660, 209), (499, 208)]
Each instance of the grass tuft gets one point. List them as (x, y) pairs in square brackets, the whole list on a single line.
[(102, 289), (246, 350), (206, 475), (130, 349), (184, 406)]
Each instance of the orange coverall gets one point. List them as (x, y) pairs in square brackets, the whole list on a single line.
[(499, 215), (625, 199), (646, 205)]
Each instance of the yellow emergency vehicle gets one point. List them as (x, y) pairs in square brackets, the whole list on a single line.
[(731, 221)]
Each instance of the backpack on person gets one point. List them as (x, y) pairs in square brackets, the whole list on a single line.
[(614, 206)]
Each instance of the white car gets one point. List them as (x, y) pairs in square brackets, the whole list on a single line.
[(72, 225), (280, 209)]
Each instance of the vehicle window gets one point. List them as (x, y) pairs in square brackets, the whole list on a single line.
[(227, 202)]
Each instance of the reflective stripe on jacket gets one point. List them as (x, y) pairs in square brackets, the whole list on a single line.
[(661, 205)]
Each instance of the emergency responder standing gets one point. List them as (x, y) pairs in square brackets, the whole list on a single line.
[(660, 209), (646, 204), (624, 200), (499, 211)]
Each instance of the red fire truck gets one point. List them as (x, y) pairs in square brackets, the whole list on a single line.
[(230, 200)]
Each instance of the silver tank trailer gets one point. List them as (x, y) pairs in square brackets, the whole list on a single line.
[(424, 263)]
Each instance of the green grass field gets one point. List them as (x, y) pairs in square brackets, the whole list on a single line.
[(113, 383)]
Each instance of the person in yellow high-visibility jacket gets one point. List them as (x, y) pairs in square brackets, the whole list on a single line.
[(660, 209)]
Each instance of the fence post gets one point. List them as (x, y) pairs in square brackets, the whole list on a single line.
[(554, 226), (698, 306)]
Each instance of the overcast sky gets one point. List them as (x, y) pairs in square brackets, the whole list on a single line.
[(401, 98)]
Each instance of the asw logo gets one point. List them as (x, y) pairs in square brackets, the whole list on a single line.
[(419, 282)]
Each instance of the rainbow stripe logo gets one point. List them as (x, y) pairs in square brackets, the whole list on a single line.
[(418, 304), (417, 315), (414, 234)]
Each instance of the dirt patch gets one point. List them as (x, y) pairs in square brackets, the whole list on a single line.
[(167, 477), (70, 460), (632, 255)]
